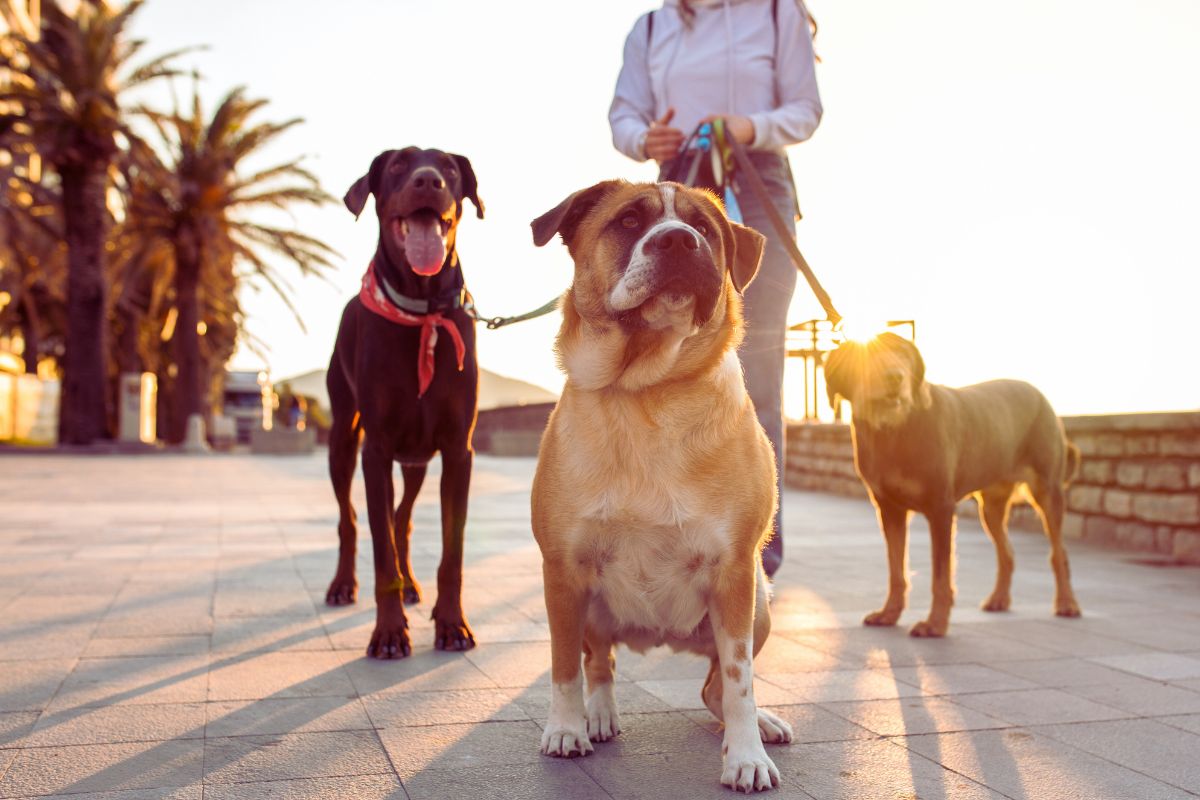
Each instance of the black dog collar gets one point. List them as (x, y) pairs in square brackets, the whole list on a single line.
[(416, 305)]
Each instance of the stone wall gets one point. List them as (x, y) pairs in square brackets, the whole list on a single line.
[(1138, 485), (512, 430), (820, 458)]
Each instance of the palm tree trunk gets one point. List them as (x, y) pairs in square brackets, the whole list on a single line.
[(83, 415), (31, 327), (189, 380), (128, 353)]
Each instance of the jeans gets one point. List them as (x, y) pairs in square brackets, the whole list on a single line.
[(767, 298)]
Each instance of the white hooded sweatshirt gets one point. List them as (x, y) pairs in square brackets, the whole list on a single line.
[(734, 59)]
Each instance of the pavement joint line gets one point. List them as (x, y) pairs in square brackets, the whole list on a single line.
[(391, 762), (940, 765), (1051, 736)]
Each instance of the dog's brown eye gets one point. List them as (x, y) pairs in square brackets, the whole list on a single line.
[(702, 229), (629, 221), (396, 168)]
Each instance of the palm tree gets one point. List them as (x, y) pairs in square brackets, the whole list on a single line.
[(32, 264), (201, 204), (66, 78)]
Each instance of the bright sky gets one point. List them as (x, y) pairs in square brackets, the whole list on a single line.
[(1020, 178)]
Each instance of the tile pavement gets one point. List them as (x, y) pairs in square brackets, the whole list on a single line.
[(163, 635)]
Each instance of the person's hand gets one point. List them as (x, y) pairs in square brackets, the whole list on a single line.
[(741, 128), (663, 141)]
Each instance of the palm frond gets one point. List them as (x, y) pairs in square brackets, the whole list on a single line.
[(282, 197), (262, 270)]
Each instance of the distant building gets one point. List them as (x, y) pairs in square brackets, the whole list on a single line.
[(248, 400)]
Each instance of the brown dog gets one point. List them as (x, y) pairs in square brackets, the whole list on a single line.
[(655, 485), (922, 447)]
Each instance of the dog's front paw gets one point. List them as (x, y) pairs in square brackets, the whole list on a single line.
[(566, 739), (602, 720), (884, 616), (997, 602), (749, 769), (1067, 608), (390, 640), (451, 631), (772, 728), (412, 593), (927, 629), (342, 591)]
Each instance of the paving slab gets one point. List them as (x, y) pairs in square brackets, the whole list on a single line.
[(253, 676), (543, 780), (1157, 666), (165, 793), (242, 759), (144, 679), (1025, 765), (104, 767), (359, 787), (29, 685), (180, 648), (872, 770), (398, 709), (118, 723), (1141, 697), (1039, 707), (117, 647), (694, 774), (279, 715), (13, 727), (907, 716), (1143, 745)]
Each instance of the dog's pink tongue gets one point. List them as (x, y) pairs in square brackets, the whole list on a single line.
[(424, 245)]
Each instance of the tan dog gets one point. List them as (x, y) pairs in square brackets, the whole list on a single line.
[(922, 447), (655, 485)]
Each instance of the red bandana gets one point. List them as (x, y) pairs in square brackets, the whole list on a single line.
[(375, 300)]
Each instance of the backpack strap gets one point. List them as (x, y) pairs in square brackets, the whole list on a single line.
[(775, 21)]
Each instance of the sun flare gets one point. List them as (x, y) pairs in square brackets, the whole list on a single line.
[(861, 329)]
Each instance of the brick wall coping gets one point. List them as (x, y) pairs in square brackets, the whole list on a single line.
[(1154, 421)]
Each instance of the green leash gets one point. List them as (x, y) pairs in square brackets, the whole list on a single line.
[(499, 322)]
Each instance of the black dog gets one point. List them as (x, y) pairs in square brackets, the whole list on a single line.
[(403, 380)]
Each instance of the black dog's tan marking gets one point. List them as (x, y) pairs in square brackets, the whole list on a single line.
[(373, 392)]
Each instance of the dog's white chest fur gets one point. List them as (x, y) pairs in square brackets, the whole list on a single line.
[(650, 583)]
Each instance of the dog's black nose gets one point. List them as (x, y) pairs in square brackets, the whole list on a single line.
[(673, 239), (428, 179)]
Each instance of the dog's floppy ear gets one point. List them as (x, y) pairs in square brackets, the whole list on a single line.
[(469, 183), (747, 252), (834, 361), (917, 361), (892, 342), (924, 396), (356, 196), (565, 217)]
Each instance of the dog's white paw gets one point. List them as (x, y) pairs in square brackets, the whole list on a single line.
[(773, 729), (602, 720), (749, 769), (566, 738)]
